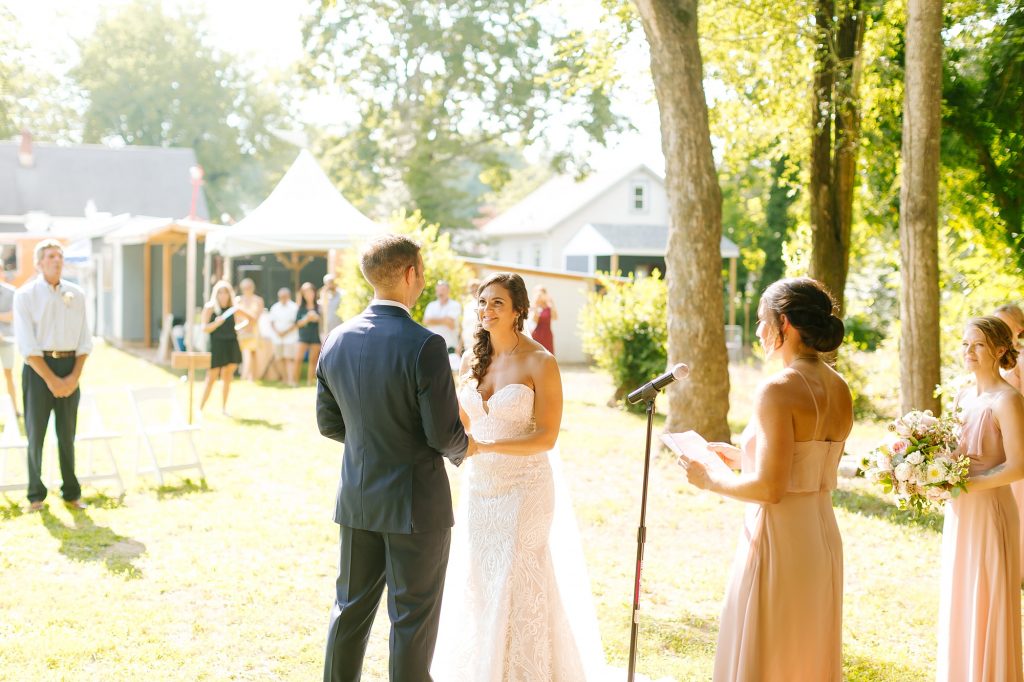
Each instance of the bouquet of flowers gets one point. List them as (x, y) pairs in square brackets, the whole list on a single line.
[(918, 462)]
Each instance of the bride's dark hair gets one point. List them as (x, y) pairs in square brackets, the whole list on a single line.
[(483, 350)]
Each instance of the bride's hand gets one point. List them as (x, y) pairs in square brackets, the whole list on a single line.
[(729, 453)]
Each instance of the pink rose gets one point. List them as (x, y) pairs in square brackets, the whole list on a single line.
[(900, 446)]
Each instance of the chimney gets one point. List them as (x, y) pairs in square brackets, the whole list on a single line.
[(25, 150)]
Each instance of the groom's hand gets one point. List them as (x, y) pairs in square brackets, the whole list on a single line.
[(473, 447)]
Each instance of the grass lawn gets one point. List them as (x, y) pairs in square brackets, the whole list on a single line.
[(233, 580)]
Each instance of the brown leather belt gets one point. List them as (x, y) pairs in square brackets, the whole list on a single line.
[(57, 354)]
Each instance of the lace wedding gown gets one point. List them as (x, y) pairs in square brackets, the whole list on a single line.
[(516, 571)]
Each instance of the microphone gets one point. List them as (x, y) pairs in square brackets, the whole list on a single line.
[(651, 388)]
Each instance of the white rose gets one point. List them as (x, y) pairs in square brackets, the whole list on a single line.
[(903, 471), (915, 458), (903, 430)]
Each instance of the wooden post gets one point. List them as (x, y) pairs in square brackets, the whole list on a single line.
[(167, 284), (614, 265), (147, 294), (191, 362), (732, 291), (190, 285)]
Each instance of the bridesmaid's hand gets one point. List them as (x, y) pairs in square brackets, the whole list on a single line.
[(729, 453), (696, 473)]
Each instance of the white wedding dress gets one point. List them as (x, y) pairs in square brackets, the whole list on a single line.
[(517, 605)]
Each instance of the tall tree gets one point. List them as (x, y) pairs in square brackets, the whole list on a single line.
[(155, 79), (984, 112), (441, 89), (835, 129), (919, 208), (693, 260)]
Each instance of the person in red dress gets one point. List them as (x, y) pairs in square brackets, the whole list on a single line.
[(542, 315)]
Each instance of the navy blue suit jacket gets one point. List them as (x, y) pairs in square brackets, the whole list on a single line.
[(385, 390)]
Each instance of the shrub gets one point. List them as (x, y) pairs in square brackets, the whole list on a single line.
[(626, 332), (439, 260)]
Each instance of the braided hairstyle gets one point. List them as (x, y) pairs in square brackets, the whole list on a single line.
[(483, 350), (809, 307)]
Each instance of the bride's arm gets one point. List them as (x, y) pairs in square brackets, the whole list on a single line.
[(773, 461), (547, 408)]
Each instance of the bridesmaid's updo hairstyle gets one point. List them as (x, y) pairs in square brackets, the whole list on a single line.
[(809, 307), (999, 337), (483, 350)]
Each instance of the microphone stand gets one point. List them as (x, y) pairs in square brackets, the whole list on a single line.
[(641, 539)]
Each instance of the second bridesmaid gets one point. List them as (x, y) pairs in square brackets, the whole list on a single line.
[(782, 618)]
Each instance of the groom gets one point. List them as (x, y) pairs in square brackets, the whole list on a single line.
[(385, 390)]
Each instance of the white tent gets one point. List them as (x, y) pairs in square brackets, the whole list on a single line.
[(305, 212)]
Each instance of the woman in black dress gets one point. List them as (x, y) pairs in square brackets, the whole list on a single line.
[(307, 321), (219, 315)]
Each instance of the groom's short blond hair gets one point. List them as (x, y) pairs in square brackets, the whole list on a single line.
[(387, 259)]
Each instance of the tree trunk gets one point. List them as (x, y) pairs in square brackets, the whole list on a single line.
[(834, 107), (693, 259), (919, 208)]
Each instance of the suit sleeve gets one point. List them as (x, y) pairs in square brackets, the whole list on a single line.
[(439, 408), (328, 413)]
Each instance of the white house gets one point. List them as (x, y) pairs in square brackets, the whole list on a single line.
[(615, 219)]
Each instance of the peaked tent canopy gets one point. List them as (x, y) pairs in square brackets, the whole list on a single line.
[(305, 212)]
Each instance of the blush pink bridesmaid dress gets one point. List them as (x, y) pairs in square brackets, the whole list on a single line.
[(979, 608), (782, 618)]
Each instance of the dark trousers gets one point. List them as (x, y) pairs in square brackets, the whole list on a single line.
[(39, 402), (413, 568)]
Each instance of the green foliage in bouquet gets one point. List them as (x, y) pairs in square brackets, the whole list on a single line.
[(439, 260), (625, 330)]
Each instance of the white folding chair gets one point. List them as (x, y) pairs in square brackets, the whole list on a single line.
[(11, 439), (93, 433), (160, 418)]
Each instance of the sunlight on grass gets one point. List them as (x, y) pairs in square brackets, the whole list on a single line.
[(232, 578)]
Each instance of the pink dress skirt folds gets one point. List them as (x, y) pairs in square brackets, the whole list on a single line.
[(783, 612), (979, 608)]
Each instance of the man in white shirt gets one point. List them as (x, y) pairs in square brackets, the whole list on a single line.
[(283, 316), (442, 316), (53, 337)]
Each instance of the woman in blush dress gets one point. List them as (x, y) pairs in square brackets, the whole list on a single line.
[(517, 603), (1012, 315), (782, 617), (542, 315), (979, 608)]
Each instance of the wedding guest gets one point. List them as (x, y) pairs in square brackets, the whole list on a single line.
[(330, 302), (1013, 316), (249, 335), (543, 313), (470, 318), (442, 316), (7, 340), (782, 617), (979, 607), (285, 335), (219, 315), (307, 324), (53, 337)]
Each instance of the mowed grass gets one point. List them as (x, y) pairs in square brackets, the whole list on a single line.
[(233, 579)]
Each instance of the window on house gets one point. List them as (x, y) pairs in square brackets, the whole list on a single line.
[(538, 253), (638, 199), (577, 263), (9, 253)]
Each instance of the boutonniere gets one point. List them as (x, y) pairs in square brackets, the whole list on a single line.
[(68, 296)]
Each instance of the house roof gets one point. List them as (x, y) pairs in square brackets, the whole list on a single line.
[(63, 179), (629, 240), (305, 212), (558, 198)]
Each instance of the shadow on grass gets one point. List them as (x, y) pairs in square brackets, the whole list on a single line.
[(11, 509), (264, 423), (186, 487), (85, 541), (880, 508)]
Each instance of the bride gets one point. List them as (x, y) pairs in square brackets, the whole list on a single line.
[(516, 567)]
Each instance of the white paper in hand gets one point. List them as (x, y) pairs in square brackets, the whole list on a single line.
[(692, 447)]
